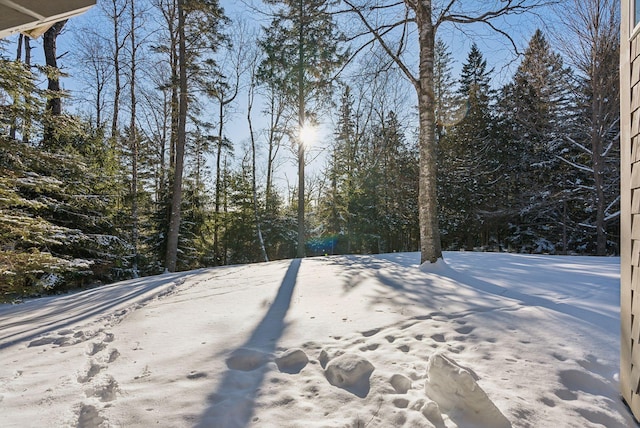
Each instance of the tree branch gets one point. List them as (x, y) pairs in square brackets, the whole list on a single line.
[(378, 37)]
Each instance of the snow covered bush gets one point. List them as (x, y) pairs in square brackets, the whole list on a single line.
[(56, 230)]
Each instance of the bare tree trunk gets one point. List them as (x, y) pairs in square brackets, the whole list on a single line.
[(161, 184), (115, 15), (14, 120), (263, 251), (175, 100), (54, 101), (276, 107), (224, 100), (26, 121), (427, 197), (174, 223), (216, 222), (270, 150), (133, 143), (301, 123)]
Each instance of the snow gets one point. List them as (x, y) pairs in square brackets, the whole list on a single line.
[(483, 340)]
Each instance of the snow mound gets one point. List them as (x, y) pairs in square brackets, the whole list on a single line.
[(400, 383), (350, 372), (292, 361), (456, 391)]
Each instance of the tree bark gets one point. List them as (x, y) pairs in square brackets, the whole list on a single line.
[(14, 119), (430, 250), (216, 222), (54, 101), (301, 122), (176, 200), (26, 122), (133, 144)]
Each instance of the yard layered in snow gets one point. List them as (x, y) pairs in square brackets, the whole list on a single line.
[(487, 340)]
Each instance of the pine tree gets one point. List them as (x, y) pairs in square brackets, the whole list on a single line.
[(537, 115), (447, 104), (466, 163), (341, 174), (302, 51), (197, 25), (20, 97), (56, 221)]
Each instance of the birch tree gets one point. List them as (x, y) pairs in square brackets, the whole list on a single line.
[(391, 24)]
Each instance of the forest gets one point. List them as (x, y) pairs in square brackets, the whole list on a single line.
[(160, 135)]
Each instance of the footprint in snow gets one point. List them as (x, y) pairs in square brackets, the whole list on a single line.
[(438, 337), (371, 332), (91, 372), (95, 347), (196, 375), (404, 348), (465, 329)]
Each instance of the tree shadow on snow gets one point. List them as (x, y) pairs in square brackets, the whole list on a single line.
[(46, 315), (233, 401), (437, 288)]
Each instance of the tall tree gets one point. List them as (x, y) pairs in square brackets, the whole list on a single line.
[(116, 10), (538, 107), (133, 140), (198, 23), (302, 51), (171, 257), (592, 45), (253, 65), (428, 16), (224, 87), (466, 166)]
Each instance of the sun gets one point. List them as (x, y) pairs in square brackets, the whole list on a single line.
[(308, 134)]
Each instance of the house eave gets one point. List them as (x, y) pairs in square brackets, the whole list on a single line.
[(33, 18)]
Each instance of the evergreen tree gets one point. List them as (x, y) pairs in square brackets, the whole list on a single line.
[(197, 25), (56, 222), (537, 115), (20, 97), (370, 205), (341, 173), (466, 163), (448, 108)]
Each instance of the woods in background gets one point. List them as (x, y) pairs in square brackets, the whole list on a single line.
[(145, 168)]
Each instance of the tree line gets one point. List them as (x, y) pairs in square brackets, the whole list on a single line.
[(142, 172)]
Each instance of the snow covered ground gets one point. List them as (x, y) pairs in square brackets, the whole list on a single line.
[(486, 340)]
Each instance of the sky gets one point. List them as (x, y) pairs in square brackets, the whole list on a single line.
[(496, 49)]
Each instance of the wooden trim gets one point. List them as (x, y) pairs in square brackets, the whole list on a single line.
[(629, 96)]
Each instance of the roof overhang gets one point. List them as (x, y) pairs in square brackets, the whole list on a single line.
[(34, 17)]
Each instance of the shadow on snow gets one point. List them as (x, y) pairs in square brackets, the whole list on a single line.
[(233, 401)]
